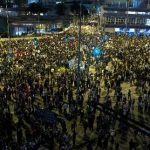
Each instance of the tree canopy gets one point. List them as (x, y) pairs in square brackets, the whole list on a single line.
[(75, 8), (60, 9), (36, 8)]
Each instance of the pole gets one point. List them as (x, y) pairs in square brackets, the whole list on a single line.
[(99, 18), (39, 22), (78, 54), (127, 16), (88, 60), (8, 31), (8, 28)]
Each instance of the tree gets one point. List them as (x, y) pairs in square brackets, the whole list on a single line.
[(20, 3), (36, 8), (60, 9), (75, 9), (3, 4), (93, 10), (3, 27)]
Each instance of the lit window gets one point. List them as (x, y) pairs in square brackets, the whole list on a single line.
[(148, 22)]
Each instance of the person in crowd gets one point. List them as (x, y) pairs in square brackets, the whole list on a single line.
[(43, 76)]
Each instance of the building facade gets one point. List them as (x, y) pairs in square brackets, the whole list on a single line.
[(129, 17)]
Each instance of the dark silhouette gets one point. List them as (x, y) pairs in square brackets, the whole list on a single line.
[(36, 8), (60, 9), (75, 8)]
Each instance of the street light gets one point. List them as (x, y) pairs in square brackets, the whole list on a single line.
[(78, 53), (9, 55), (127, 16), (7, 15)]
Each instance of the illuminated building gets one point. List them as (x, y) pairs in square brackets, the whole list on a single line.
[(123, 16)]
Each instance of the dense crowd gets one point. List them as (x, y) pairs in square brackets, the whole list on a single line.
[(33, 85)]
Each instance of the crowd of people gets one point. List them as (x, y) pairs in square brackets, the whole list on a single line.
[(41, 106)]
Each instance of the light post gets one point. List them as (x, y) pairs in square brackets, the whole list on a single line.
[(7, 15), (127, 18), (9, 54), (78, 54), (88, 60)]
